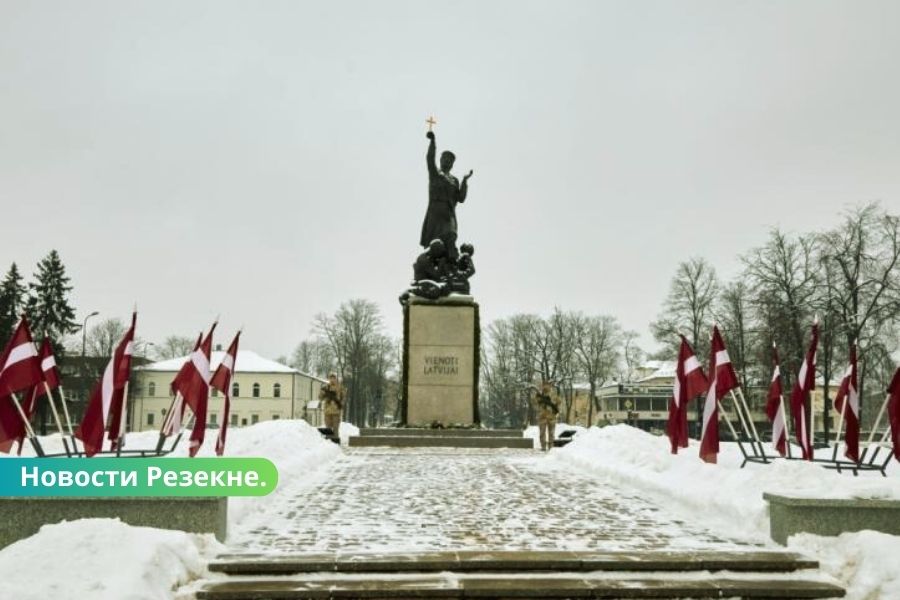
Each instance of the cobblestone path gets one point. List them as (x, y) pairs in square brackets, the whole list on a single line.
[(414, 500)]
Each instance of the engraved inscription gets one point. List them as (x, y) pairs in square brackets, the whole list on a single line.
[(441, 365)]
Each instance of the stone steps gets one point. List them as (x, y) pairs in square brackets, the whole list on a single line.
[(476, 561), (423, 432), (504, 575), (433, 441)]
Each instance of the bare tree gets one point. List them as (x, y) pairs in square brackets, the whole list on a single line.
[(174, 346), (782, 279), (315, 357), (688, 307), (354, 334), (597, 347), (734, 315), (103, 337), (866, 249), (632, 355)]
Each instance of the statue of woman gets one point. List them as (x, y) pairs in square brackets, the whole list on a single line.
[(444, 193)]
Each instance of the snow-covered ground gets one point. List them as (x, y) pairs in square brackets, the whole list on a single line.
[(729, 499), (103, 559), (151, 563), (73, 559), (535, 434)]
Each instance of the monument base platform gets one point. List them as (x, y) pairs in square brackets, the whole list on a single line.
[(441, 361)]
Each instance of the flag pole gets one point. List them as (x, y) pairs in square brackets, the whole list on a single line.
[(739, 410), (727, 420), (875, 427), (62, 398), (787, 430), (56, 418), (28, 429), (749, 414), (837, 438), (121, 439), (166, 423)]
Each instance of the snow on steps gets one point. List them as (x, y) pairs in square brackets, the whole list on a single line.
[(758, 574), (443, 438)]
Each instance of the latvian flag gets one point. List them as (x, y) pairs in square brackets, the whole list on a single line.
[(894, 412), (221, 380), (172, 423), (805, 384), (849, 393), (108, 398), (775, 409), (49, 370), (20, 370), (724, 379), (192, 383), (690, 382)]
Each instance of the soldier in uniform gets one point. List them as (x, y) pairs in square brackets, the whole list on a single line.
[(332, 394), (547, 411)]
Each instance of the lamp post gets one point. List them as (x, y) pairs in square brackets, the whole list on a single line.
[(84, 333)]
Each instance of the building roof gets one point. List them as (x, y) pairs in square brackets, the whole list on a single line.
[(664, 369), (247, 361)]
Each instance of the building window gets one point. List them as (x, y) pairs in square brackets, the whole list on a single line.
[(275, 417), (151, 389), (254, 419), (151, 417), (213, 418), (235, 391), (234, 419), (256, 390), (215, 393), (276, 390)]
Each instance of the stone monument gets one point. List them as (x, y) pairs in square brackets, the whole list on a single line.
[(441, 330)]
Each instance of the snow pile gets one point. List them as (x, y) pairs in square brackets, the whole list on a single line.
[(534, 432), (865, 562), (347, 430), (103, 559), (726, 497)]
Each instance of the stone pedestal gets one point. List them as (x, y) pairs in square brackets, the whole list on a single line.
[(441, 352)]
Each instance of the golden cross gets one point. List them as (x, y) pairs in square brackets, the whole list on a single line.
[(431, 122)]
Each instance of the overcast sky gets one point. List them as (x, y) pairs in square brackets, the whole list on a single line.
[(264, 160)]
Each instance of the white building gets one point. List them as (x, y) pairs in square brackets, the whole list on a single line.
[(261, 390)]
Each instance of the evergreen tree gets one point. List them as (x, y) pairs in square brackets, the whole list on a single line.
[(48, 303), (12, 302)]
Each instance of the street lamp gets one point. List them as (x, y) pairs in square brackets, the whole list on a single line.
[(84, 332)]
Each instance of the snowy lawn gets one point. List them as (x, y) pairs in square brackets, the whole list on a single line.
[(728, 499)]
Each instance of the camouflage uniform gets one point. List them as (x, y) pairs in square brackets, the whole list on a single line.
[(547, 411), (332, 394)]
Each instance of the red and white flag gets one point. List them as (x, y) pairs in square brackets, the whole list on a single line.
[(20, 370), (724, 379), (689, 383), (221, 380), (848, 393), (172, 423), (192, 383), (894, 412), (775, 407), (108, 398), (48, 365), (805, 384)]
